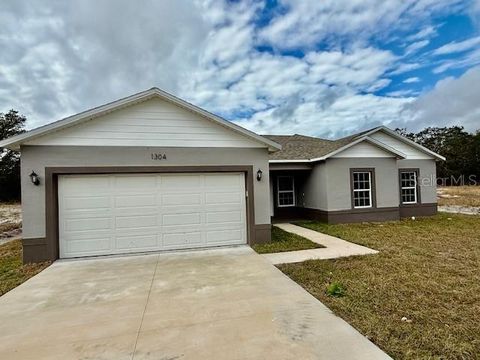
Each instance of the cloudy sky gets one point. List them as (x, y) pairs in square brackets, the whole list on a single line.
[(325, 68)]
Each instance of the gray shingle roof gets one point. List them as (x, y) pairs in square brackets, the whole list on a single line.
[(300, 147)]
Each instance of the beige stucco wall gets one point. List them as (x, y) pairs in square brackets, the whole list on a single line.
[(338, 181), (36, 158), (315, 188), (328, 187)]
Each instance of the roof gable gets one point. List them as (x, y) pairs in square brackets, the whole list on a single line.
[(230, 134), (154, 122), (364, 149), (298, 148), (411, 149)]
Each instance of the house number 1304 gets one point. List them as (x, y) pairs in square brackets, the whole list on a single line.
[(158, 156)]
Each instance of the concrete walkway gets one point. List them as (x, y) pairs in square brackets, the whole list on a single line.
[(214, 304), (334, 247)]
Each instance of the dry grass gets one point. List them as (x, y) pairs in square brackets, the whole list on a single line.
[(459, 195), (427, 271), (12, 270), (284, 241)]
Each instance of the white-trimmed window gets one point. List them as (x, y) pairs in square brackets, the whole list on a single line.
[(362, 189), (285, 191), (408, 186)]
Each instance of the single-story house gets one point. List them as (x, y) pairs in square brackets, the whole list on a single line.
[(152, 172)]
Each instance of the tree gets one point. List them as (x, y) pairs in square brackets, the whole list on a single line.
[(462, 150), (11, 124)]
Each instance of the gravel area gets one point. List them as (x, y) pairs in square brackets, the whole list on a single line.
[(458, 209)]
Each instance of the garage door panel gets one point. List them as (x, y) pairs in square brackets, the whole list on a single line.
[(136, 242), (180, 183), (181, 219), (182, 239), (223, 217), (81, 185), (182, 199), (131, 213), (86, 203), (93, 244), (135, 222), (135, 200), (224, 236), (223, 181), (135, 183), (223, 198), (87, 224)]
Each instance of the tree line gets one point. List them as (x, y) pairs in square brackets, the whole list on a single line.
[(11, 123), (460, 147)]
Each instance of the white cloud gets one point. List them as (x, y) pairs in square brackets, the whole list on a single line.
[(411, 80), (282, 87), (58, 59), (470, 59), (427, 32), (401, 93), (307, 22), (453, 101), (455, 47), (416, 46), (475, 11), (403, 67), (357, 112)]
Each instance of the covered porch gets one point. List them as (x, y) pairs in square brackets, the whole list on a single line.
[(287, 191)]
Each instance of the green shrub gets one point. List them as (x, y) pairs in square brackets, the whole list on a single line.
[(335, 289)]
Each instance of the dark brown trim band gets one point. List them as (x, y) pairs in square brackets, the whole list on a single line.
[(361, 215), (34, 250), (427, 209), (263, 233), (355, 215), (51, 192)]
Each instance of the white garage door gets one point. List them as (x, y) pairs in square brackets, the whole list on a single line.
[(114, 214)]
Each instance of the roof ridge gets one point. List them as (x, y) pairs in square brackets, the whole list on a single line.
[(300, 136)]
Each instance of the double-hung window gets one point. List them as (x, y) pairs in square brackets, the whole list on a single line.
[(285, 191), (362, 187), (408, 186)]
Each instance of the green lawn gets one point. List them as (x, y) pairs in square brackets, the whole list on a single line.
[(427, 273), (12, 271), (284, 241)]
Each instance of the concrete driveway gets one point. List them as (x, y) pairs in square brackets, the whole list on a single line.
[(216, 304)]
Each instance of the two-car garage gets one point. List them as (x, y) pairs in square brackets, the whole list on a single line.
[(124, 213), (149, 172)]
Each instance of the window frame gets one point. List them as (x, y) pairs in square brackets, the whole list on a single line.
[(416, 171), (286, 191), (371, 191)]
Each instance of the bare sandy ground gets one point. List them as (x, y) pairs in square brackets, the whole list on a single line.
[(10, 222)]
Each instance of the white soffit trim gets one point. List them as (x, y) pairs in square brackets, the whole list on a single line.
[(14, 142), (405, 140), (289, 161)]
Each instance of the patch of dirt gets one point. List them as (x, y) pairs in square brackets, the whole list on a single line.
[(10, 220), (463, 196), (458, 209)]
